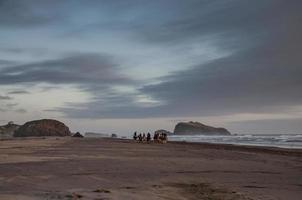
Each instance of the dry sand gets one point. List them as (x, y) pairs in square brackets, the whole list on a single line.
[(87, 168)]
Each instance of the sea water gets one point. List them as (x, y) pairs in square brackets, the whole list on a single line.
[(280, 140)]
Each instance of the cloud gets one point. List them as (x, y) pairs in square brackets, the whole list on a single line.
[(6, 62), (94, 73), (19, 92), (21, 111), (2, 110), (29, 13), (262, 73), (5, 97), (51, 110), (23, 51), (11, 105), (82, 68), (239, 83)]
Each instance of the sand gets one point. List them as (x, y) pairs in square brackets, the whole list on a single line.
[(88, 168)]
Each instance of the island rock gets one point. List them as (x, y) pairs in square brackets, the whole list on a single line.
[(43, 127), (7, 131), (78, 134), (196, 128)]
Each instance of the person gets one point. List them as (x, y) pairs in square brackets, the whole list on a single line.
[(135, 136), (165, 138), (155, 137), (144, 137), (160, 138), (140, 138), (148, 137)]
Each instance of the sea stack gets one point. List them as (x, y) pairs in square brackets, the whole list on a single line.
[(197, 128), (8, 130), (78, 135), (43, 127)]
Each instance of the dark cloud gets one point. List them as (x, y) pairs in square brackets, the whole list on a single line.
[(84, 69), (95, 73), (50, 110), (262, 73), (6, 62), (239, 83), (2, 110), (19, 92), (231, 23), (27, 13), (207, 20), (17, 51), (12, 50), (21, 111), (11, 105), (5, 97)]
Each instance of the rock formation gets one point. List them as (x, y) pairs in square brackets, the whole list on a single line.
[(8, 130), (196, 128), (43, 127), (78, 134)]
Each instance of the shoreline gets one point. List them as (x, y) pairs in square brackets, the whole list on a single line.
[(288, 141), (251, 148), (105, 168), (225, 146)]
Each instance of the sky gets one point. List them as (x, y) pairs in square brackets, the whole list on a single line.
[(138, 65)]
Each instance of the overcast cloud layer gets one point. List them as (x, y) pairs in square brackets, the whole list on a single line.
[(152, 59)]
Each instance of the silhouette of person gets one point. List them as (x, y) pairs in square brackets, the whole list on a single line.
[(140, 138), (155, 137), (135, 136), (148, 137)]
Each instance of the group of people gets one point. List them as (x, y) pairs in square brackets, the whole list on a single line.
[(157, 137)]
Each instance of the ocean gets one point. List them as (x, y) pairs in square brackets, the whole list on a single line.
[(280, 140)]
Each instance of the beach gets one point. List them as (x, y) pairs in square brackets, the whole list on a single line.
[(105, 168)]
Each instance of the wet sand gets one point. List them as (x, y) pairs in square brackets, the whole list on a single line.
[(88, 168)]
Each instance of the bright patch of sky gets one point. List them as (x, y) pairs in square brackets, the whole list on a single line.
[(39, 98)]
